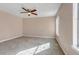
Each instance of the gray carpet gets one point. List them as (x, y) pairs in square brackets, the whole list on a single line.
[(30, 46)]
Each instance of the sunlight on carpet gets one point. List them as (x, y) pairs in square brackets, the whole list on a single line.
[(35, 50)]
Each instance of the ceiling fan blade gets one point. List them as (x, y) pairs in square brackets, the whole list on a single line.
[(34, 13), (23, 12), (33, 10), (25, 9)]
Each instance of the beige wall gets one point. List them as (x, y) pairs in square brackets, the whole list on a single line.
[(10, 26), (39, 27), (65, 37)]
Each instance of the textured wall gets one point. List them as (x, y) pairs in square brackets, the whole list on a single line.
[(39, 27), (10, 26), (65, 37)]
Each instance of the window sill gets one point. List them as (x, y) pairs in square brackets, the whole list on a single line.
[(75, 48)]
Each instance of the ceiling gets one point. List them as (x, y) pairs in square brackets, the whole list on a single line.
[(43, 9)]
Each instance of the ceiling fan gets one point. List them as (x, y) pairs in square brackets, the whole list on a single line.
[(29, 11)]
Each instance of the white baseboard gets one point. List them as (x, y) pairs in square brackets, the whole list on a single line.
[(20, 35), (68, 50), (38, 36), (60, 44), (12, 37)]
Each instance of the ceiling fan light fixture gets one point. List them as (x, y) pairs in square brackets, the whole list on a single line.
[(29, 13)]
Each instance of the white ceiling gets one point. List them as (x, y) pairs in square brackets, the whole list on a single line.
[(43, 9)]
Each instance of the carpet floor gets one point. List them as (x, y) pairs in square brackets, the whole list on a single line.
[(30, 46)]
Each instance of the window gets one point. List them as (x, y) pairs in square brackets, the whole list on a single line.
[(75, 25), (57, 26)]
